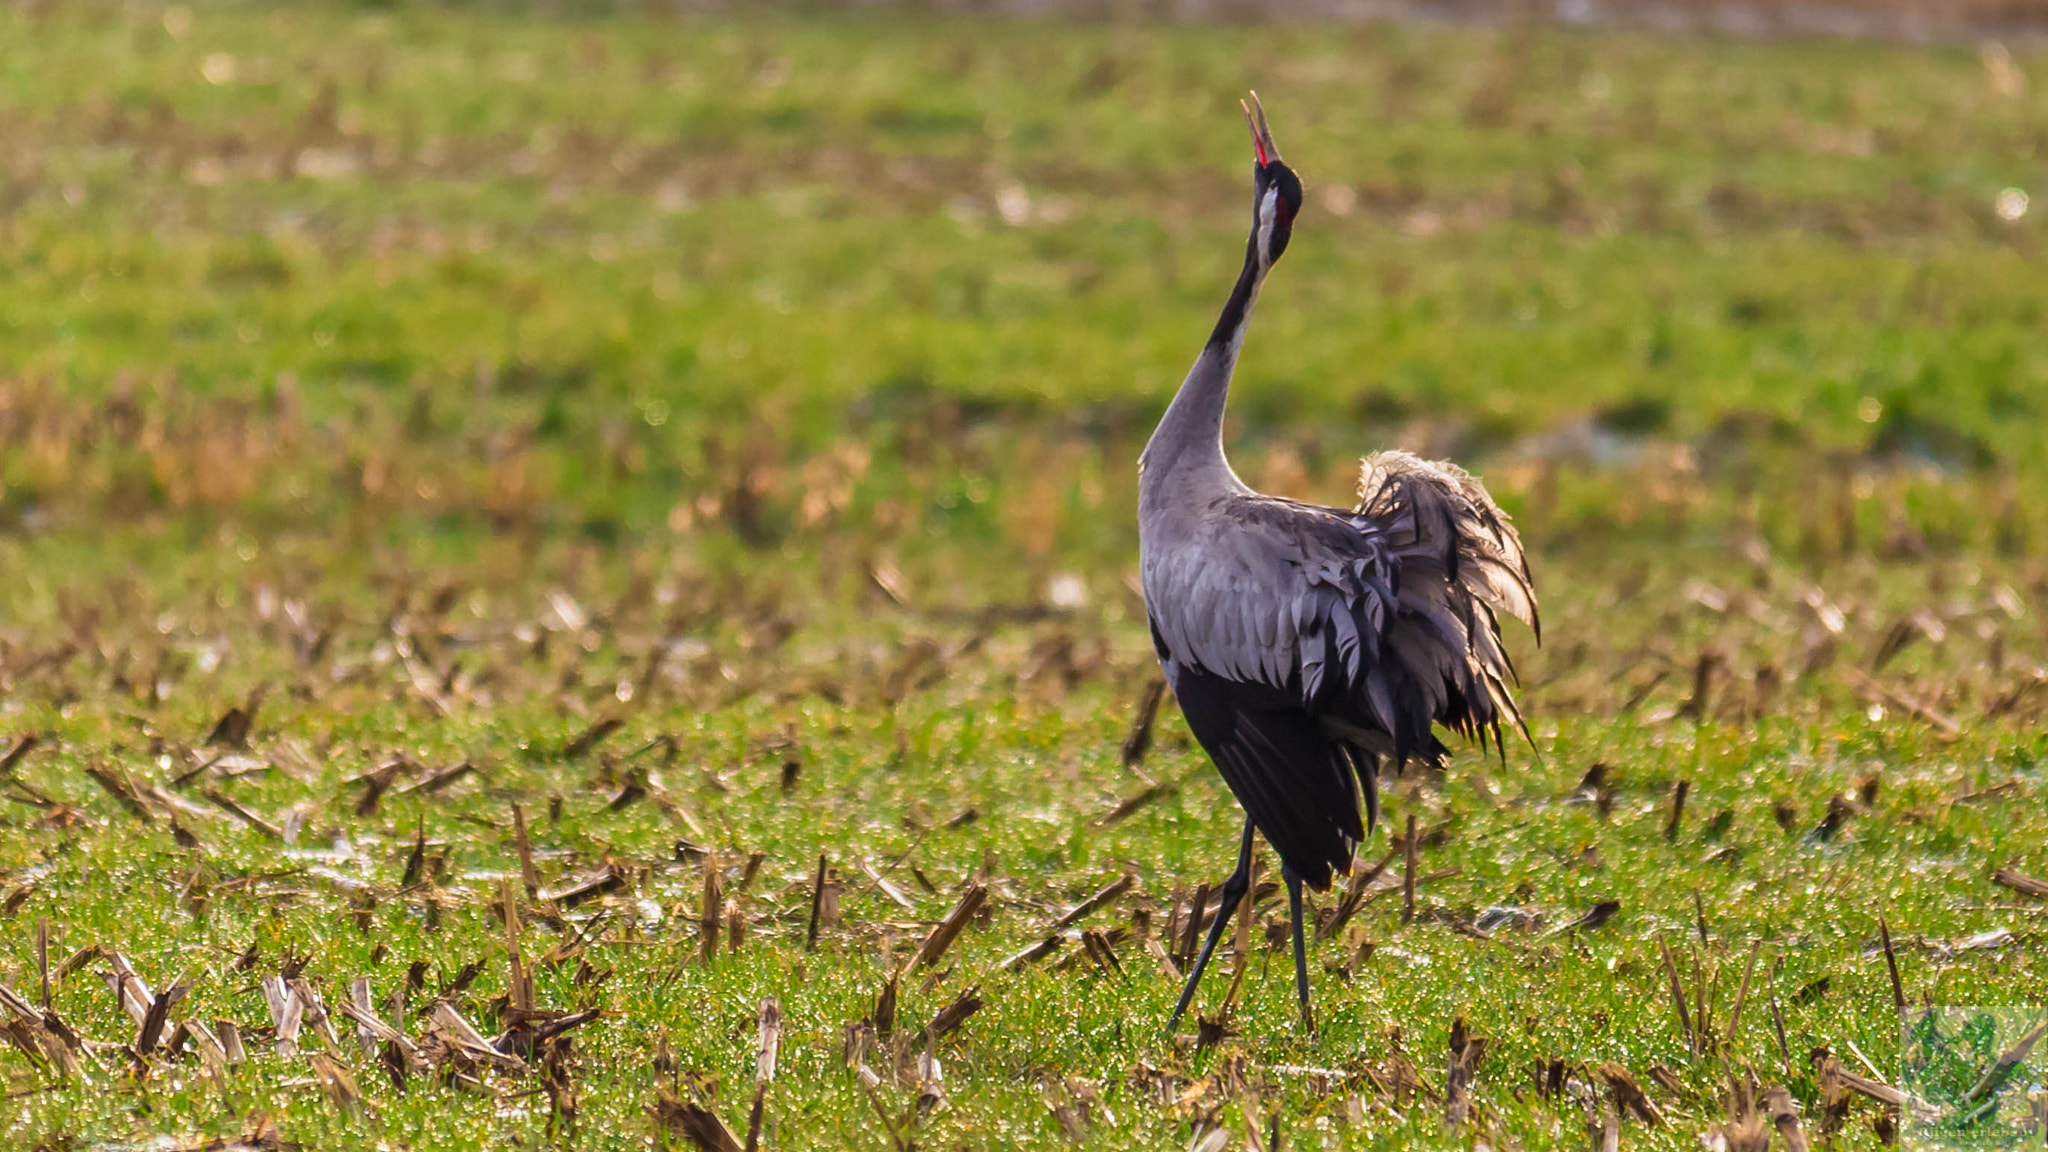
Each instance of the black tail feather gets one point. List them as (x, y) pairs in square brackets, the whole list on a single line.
[(1298, 783)]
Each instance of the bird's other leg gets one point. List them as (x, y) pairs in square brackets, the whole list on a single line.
[(1308, 1018), (1233, 894)]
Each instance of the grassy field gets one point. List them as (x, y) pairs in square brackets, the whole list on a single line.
[(491, 506)]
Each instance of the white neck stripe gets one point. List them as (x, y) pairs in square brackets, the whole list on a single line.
[(1269, 205)]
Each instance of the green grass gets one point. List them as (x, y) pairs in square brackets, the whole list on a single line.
[(463, 380)]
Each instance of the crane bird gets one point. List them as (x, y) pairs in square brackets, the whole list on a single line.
[(1307, 644)]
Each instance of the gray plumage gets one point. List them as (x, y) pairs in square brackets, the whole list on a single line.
[(1376, 622), (1307, 644)]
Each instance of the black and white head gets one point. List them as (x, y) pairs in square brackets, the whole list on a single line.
[(1276, 189)]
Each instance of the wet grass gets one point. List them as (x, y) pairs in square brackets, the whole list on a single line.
[(717, 436)]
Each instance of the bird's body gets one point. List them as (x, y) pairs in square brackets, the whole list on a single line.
[(1307, 644)]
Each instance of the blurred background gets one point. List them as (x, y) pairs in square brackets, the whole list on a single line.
[(909, 290), (875, 305), (715, 430)]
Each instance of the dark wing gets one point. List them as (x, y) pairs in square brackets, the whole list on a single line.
[(1266, 617), (1301, 787), (1303, 643), (1460, 564)]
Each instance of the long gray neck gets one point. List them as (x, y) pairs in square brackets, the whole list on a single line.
[(1184, 459)]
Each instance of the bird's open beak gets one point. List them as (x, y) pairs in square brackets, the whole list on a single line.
[(1262, 136)]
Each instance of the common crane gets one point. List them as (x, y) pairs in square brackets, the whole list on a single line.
[(1304, 644)]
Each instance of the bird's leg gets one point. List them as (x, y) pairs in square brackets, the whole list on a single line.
[(1233, 894), (1308, 1018)]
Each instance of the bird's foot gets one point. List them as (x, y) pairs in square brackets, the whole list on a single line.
[(1209, 1033)]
